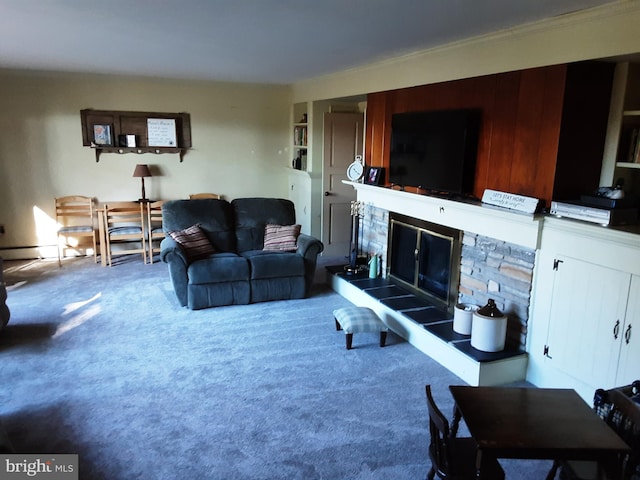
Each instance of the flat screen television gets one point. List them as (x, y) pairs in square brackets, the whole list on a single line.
[(435, 150)]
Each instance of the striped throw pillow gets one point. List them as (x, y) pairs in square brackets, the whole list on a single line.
[(194, 242), (281, 237)]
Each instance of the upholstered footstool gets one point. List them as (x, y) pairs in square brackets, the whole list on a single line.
[(359, 320)]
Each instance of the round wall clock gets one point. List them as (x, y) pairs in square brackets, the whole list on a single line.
[(355, 170)]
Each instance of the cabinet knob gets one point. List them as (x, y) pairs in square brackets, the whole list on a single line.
[(326, 194), (616, 329), (627, 335)]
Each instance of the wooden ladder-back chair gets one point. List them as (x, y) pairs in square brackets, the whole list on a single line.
[(454, 458), (124, 224), (619, 408), (154, 227), (75, 218), (194, 196)]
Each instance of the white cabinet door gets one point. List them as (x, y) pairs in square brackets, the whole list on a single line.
[(629, 365), (586, 321)]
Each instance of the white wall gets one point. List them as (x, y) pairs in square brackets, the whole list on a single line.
[(240, 139), (599, 32), (240, 132)]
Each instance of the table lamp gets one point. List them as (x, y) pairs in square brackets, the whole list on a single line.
[(142, 171)]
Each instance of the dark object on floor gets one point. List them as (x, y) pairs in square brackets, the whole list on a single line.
[(618, 407), (5, 443), (240, 270), (452, 457), (359, 320), (4, 310)]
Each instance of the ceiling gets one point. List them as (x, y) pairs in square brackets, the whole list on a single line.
[(263, 41)]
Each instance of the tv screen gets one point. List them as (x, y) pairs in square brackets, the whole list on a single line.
[(435, 150)]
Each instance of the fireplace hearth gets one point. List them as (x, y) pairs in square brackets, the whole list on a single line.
[(496, 260), (484, 268)]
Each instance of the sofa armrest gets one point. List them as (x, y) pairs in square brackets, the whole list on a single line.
[(174, 255), (309, 248), (170, 250)]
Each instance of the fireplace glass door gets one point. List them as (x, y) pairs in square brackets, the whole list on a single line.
[(434, 262), (404, 244), (425, 258)]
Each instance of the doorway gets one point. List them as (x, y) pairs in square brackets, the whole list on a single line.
[(343, 140)]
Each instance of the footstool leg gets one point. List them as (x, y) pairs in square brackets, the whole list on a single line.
[(349, 338), (338, 326), (383, 338)]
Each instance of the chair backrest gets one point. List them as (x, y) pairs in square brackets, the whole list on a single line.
[(123, 213), (204, 195), (622, 414), (75, 210), (439, 446), (215, 218), (154, 214), (252, 214)]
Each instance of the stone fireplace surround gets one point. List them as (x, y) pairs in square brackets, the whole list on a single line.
[(497, 261)]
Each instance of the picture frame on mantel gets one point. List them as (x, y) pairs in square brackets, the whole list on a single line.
[(102, 135), (374, 176)]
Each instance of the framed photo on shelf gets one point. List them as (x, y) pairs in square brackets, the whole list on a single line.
[(374, 176), (102, 135)]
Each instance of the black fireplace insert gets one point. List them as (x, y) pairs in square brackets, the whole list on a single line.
[(425, 258)]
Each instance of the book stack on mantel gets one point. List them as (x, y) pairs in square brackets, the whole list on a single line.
[(598, 209)]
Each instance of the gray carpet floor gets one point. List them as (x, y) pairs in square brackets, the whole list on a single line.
[(103, 363)]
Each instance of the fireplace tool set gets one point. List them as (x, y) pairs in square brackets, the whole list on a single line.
[(357, 212)]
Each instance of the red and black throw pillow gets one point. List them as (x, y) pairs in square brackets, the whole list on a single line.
[(281, 237), (195, 243)]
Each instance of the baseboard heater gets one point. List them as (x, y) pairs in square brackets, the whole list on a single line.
[(23, 252)]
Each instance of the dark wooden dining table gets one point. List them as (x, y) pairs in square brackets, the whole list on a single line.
[(534, 423)]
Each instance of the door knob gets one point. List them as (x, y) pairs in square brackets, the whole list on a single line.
[(326, 194)]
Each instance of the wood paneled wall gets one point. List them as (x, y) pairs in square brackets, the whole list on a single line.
[(522, 121)]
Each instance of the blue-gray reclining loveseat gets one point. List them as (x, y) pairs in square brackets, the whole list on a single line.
[(239, 270)]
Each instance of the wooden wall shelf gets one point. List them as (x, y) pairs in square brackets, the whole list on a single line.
[(118, 124), (139, 150)]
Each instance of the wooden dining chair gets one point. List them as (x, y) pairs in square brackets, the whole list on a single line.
[(154, 227), (124, 223), (454, 458), (204, 195), (75, 217), (623, 416)]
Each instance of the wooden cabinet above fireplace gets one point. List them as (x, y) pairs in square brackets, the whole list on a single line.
[(542, 133)]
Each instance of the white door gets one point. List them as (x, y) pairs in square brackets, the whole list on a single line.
[(629, 366), (586, 320), (343, 140)]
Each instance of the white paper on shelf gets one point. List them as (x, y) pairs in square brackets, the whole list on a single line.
[(161, 132)]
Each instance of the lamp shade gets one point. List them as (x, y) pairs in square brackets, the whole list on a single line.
[(142, 171)]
